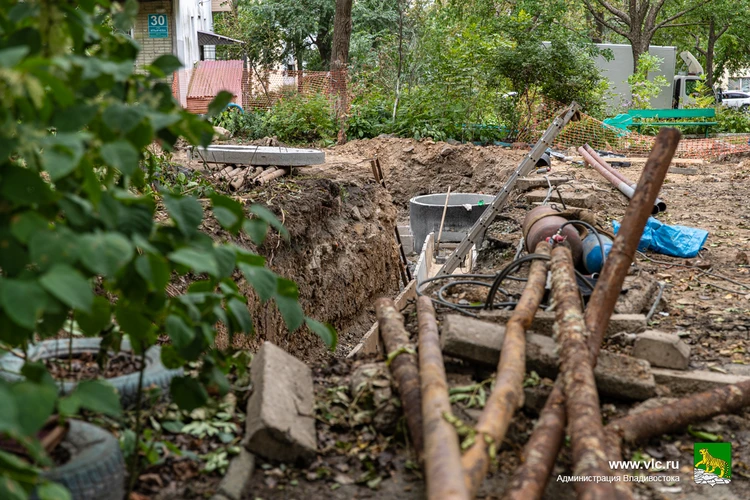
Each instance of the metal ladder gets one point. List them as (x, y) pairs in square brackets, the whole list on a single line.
[(526, 165)]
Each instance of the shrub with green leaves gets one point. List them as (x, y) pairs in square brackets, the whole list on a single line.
[(77, 220), (250, 124), (300, 118)]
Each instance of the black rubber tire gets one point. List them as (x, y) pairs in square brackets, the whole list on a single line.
[(96, 469), (156, 374)]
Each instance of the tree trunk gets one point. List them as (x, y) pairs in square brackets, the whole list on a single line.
[(639, 43), (712, 38), (342, 33)]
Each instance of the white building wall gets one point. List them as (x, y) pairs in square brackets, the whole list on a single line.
[(190, 16)]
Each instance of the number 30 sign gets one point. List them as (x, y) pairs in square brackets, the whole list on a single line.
[(158, 26)]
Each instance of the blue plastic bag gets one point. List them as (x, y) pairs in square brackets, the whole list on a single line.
[(677, 241)]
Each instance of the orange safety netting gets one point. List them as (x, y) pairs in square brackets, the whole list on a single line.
[(589, 130), (255, 88), (262, 88)]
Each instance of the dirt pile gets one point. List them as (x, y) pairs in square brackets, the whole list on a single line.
[(414, 168)]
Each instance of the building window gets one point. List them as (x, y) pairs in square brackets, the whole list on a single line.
[(739, 83)]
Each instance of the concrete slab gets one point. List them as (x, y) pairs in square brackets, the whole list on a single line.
[(581, 200), (689, 382), (258, 155), (665, 350), (543, 321), (617, 376), (280, 417)]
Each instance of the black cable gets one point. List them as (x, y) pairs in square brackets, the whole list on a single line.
[(506, 271), (441, 292)]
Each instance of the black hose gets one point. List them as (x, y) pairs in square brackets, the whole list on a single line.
[(506, 271), (441, 292)]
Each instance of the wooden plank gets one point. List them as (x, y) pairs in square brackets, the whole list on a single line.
[(371, 342), (258, 155)]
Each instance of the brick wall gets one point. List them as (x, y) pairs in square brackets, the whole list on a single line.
[(151, 48)]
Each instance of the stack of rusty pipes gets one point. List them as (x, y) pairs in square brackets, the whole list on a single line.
[(240, 178)]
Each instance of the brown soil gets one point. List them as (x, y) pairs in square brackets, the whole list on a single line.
[(83, 366), (412, 168)]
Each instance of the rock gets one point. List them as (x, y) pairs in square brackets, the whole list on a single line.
[(371, 382), (690, 382), (280, 416), (480, 341), (221, 133), (236, 481), (356, 215), (446, 151), (741, 259), (408, 149), (700, 476), (662, 349), (637, 294), (453, 142)]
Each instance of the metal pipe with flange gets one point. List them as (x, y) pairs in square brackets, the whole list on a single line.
[(659, 204)]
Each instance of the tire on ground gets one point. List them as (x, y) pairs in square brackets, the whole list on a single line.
[(96, 469), (155, 375)]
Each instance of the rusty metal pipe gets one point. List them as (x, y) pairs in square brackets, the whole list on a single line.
[(659, 204), (577, 372), (608, 286), (262, 179)]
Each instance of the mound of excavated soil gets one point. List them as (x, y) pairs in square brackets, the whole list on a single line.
[(414, 168)]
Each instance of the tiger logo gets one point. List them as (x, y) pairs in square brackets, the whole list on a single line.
[(712, 463)]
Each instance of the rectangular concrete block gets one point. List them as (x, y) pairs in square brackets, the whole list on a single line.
[(258, 155), (689, 382), (661, 349), (616, 375), (543, 321), (526, 183), (580, 200), (280, 416)]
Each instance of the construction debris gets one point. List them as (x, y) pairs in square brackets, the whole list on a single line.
[(280, 417), (661, 349), (617, 376)]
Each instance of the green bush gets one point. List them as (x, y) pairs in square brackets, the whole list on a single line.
[(251, 124), (733, 121), (303, 119), (78, 239), (369, 115)]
